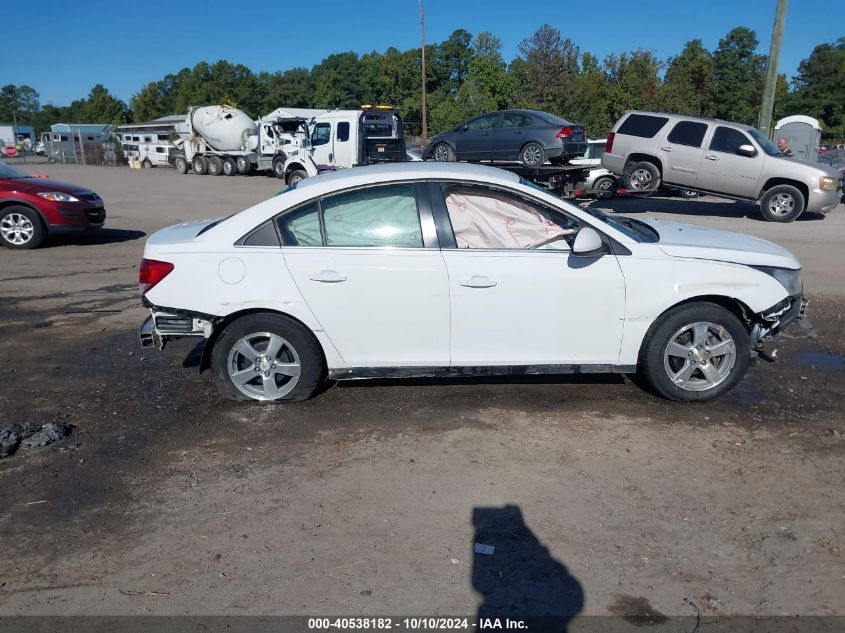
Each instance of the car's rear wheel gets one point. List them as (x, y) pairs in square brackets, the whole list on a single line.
[(605, 187), (243, 164), (229, 167), (200, 165), (442, 153), (532, 155), (267, 357), (181, 165), (782, 203), (21, 228), (146, 164), (696, 351), (642, 177), (215, 166)]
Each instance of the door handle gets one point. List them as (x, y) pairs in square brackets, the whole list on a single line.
[(478, 281), (667, 149), (328, 277), (711, 157)]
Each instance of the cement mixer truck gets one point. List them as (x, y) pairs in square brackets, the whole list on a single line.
[(220, 139)]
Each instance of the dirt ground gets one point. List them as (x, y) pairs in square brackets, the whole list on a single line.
[(598, 497)]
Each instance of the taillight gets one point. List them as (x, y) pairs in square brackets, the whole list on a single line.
[(151, 272), (608, 147), (565, 132)]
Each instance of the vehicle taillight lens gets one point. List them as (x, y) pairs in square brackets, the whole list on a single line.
[(565, 133), (608, 147), (151, 272)]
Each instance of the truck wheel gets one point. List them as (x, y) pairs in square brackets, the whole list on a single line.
[(21, 228), (782, 203), (442, 153), (215, 166), (230, 168), (642, 177), (146, 164), (243, 164), (297, 175), (279, 167), (180, 165), (696, 351), (605, 187), (267, 357), (532, 155), (200, 165)]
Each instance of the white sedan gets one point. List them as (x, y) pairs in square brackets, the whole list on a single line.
[(444, 269)]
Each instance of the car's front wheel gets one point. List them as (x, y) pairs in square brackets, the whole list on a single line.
[(21, 228), (782, 203), (696, 351), (267, 357)]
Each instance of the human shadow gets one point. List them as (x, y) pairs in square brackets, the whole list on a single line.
[(94, 237), (520, 580)]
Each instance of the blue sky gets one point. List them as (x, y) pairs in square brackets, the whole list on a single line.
[(124, 45)]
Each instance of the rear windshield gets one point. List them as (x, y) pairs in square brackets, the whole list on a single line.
[(552, 118), (642, 125)]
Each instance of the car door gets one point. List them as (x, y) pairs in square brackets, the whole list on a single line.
[(517, 294), (509, 135), (723, 170), (474, 140), (367, 264), (681, 152), (322, 147)]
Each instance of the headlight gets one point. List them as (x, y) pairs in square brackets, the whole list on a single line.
[(828, 184), (58, 196), (788, 278)]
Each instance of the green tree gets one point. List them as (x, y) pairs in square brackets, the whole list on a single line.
[(688, 84), (820, 86), (102, 107), (549, 70), (337, 81), (738, 75), (592, 98), (633, 81)]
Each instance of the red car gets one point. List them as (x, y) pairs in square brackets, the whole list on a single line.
[(33, 208)]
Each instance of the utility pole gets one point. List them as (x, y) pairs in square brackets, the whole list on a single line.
[(422, 39), (772, 68)]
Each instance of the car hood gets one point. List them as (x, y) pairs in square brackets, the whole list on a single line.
[(47, 184), (700, 242), (180, 233)]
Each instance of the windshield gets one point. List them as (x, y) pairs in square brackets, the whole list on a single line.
[(9, 172), (765, 143)]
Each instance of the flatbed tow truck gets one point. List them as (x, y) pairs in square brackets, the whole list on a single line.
[(562, 180)]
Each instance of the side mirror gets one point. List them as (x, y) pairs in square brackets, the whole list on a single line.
[(746, 150), (588, 243)]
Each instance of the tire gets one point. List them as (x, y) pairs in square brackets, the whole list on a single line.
[(146, 164), (180, 165), (642, 177), (241, 348), (243, 165), (230, 168), (296, 175), (782, 203), (678, 345), (215, 166), (279, 167), (442, 153), (604, 187), (21, 228), (689, 194), (200, 165), (532, 155)]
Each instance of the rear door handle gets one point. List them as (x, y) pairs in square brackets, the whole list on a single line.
[(667, 149), (711, 157), (328, 277), (478, 281)]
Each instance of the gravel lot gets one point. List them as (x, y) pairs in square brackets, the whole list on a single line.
[(599, 498)]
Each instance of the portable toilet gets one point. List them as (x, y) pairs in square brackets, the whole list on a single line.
[(803, 133)]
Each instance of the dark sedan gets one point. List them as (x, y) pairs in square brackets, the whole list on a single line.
[(528, 136)]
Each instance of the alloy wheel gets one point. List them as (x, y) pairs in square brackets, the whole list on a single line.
[(16, 228), (781, 204), (532, 155), (264, 366), (700, 356), (441, 153), (640, 179)]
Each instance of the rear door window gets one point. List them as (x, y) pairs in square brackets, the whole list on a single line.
[(689, 133), (376, 216), (515, 119), (642, 125), (728, 140)]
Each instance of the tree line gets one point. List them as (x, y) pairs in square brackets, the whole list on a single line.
[(467, 75)]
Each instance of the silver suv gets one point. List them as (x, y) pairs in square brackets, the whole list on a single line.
[(720, 158)]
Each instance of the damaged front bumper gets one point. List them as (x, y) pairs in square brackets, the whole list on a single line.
[(767, 326)]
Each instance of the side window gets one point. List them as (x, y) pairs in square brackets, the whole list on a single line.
[(301, 227), (377, 216), (515, 119), (689, 133), (343, 131), (642, 125), (322, 134), (483, 122), (265, 235), (489, 218), (728, 140), (596, 150)]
